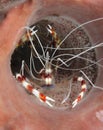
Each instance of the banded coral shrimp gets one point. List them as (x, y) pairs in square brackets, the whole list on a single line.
[(49, 64)]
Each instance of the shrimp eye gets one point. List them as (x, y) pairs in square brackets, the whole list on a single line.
[(55, 61)]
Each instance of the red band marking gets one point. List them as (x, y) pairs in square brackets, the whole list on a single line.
[(83, 89), (44, 75), (79, 98), (21, 78), (42, 97), (30, 88), (83, 82), (52, 31)]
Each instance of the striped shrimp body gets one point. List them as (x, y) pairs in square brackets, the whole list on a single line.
[(83, 90), (54, 35), (46, 73), (32, 90)]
